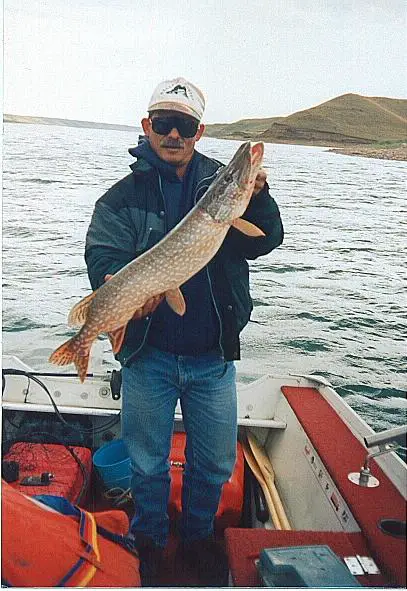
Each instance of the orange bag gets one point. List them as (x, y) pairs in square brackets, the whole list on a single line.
[(43, 548)]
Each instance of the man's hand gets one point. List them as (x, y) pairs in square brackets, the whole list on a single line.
[(260, 181), (148, 307)]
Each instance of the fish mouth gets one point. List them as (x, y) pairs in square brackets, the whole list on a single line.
[(247, 161), (257, 152), (230, 193), (252, 152)]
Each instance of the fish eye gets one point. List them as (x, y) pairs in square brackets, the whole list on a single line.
[(228, 178)]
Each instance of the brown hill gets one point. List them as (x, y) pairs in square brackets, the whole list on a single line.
[(344, 120)]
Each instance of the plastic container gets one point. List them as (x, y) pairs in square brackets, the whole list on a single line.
[(112, 462), (304, 566)]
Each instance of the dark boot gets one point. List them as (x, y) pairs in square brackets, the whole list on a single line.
[(208, 559), (150, 556)]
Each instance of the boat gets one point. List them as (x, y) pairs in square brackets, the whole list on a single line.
[(321, 488)]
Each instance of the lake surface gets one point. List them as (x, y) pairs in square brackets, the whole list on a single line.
[(330, 301)]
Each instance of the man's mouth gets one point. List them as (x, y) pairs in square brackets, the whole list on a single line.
[(172, 146)]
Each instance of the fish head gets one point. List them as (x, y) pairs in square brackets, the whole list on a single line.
[(228, 196)]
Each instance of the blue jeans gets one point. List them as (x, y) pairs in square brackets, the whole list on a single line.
[(206, 388)]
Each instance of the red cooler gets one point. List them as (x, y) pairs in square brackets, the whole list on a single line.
[(231, 501)]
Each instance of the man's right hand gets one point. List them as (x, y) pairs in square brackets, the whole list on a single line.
[(148, 307)]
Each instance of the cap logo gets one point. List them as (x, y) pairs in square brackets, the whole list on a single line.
[(178, 95), (178, 90)]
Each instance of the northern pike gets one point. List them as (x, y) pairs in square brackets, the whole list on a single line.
[(162, 269)]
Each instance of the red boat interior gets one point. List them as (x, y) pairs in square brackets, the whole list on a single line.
[(242, 543)]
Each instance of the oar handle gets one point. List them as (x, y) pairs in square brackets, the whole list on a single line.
[(285, 524), (257, 473), (267, 472)]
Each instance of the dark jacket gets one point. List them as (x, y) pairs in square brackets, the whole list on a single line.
[(130, 218)]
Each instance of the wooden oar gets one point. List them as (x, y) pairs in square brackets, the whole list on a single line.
[(249, 457), (267, 472)]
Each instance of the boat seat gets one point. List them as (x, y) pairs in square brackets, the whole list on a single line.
[(243, 547)]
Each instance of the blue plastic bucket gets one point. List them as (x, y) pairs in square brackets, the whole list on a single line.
[(113, 464)]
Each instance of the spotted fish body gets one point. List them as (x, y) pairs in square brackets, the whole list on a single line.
[(167, 265)]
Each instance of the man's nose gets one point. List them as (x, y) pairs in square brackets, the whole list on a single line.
[(174, 133)]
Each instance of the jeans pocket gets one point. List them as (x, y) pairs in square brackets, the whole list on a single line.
[(220, 369)]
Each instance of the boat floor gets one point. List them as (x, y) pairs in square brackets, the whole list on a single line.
[(174, 571), (243, 546)]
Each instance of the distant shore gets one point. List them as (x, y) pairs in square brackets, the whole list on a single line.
[(67, 122), (381, 152)]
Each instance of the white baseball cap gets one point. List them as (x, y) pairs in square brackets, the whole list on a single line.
[(178, 95)]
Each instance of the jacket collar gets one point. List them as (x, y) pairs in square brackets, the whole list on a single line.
[(200, 174), (144, 153)]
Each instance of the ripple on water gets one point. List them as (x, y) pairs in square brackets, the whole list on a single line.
[(313, 317), (374, 393), (291, 269), (307, 345), (22, 324), (42, 181)]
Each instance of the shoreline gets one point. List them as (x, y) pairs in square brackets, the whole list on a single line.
[(397, 151), (381, 152), (393, 151)]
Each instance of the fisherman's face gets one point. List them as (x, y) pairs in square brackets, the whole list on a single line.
[(168, 142)]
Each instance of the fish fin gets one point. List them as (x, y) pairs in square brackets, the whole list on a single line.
[(78, 314), (72, 352), (176, 301), (116, 338), (247, 228)]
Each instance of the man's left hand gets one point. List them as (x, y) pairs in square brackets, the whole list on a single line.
[(260, 181)]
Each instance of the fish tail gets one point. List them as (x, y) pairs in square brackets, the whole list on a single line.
[(73, 351)]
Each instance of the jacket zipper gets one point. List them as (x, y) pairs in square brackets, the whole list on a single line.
[(207, 179), (209, 276), (217, 312)]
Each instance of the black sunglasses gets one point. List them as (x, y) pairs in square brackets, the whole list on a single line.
[(186, 127)]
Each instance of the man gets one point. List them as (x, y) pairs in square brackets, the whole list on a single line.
[(166, 357)]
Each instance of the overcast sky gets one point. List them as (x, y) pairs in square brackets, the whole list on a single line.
[(99, 60)]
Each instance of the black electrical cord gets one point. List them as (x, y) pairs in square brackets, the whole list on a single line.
[(33, 376)]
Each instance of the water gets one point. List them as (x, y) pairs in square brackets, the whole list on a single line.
[(329, 301)]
